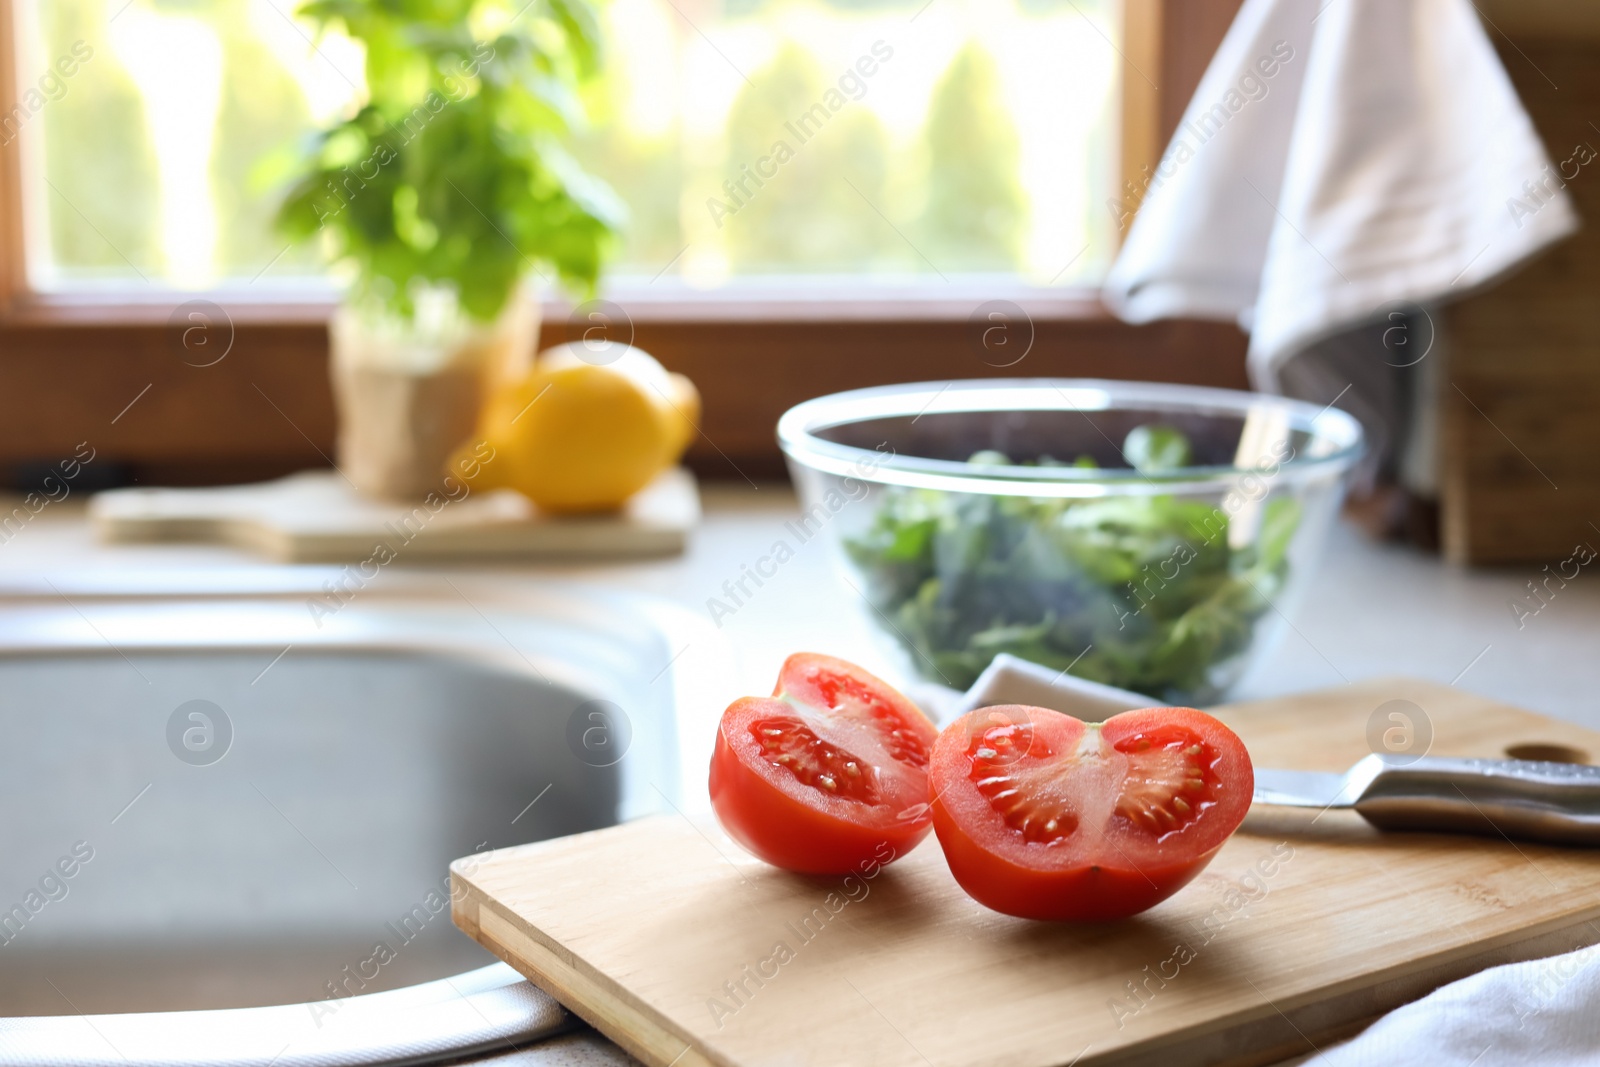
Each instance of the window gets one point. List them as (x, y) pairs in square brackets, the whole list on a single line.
[(149, 131), (914, 142), (141, 146)]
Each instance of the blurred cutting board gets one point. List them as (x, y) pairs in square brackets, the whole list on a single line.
[(317, 516), (665, 936)]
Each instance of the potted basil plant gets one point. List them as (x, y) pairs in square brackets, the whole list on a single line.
[(435, 201)]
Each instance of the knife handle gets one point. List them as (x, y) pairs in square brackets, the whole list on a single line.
[(1555, 803)]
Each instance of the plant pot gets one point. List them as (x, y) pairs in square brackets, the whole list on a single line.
[(408, 393)]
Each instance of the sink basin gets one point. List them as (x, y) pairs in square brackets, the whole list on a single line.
[(233, 798)]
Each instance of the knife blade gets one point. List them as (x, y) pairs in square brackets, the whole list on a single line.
[(1301, 789)]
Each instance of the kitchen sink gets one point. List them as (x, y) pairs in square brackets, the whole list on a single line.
[(242, 795)]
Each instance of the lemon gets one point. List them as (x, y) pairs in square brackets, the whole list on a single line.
[(586, 428)]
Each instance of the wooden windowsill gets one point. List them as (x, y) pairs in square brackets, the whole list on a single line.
[(266, 407)]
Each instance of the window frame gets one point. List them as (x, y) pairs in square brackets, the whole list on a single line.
[(267, 408)]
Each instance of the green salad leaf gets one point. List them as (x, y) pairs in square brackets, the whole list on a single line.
[(1154, 449), (1142, 592)]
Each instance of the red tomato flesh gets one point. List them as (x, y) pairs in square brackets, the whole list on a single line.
[(821, 775), (1045, 817)]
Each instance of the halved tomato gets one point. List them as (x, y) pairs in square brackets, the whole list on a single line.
[(824, 774), (1046, 817)]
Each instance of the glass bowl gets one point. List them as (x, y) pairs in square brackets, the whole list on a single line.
[(1004, 515)]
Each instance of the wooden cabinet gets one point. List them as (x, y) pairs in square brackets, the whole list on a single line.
[(1520, 396)]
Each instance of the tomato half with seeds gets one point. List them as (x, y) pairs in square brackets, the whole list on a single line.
[(828, 775), (1045, 817)]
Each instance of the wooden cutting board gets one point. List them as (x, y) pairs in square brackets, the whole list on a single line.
[(685, 951), (318, 517)]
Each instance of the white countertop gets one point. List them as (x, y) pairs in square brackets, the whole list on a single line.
[(1371, 610)]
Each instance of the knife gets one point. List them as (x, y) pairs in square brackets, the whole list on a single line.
[(1556, 803)]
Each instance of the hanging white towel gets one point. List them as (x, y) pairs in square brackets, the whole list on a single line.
[(1339, 159)]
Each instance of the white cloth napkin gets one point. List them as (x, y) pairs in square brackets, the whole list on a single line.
[(1540, 1012), (1339, 159)]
